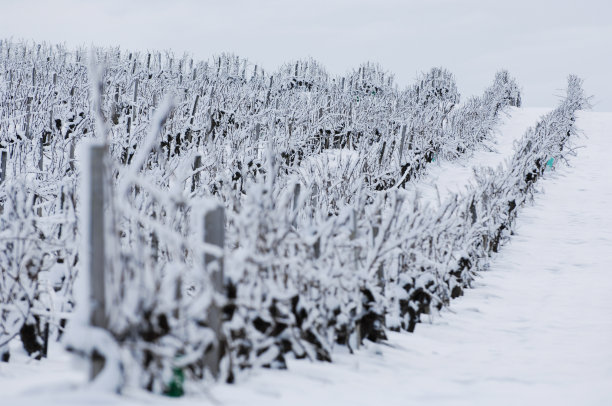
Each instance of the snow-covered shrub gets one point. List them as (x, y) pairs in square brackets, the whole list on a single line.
[(27, 260), (454, 242), (475, 120)]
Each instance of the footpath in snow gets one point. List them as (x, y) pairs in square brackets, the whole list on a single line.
[(536, 330), (446, 177)]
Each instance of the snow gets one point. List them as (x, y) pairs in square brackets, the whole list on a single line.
[(445, 177), (535, 330)]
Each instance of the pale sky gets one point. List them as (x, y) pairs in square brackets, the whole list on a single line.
[(539, 41)]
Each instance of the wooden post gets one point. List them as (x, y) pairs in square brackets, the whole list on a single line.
[(257, 131), (28, 117), (136, 90), (97, 258), (401, 148), (3, 159), (375, 231), (195, 106), (135, 106), (214, 234), (382, 153), (353, 237), (41, 152), (195, 179), (71, 154), (296, 199)]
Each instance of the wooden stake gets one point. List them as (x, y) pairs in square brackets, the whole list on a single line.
[(195, 179), (97, 257), (3, 159), (28, 117), (353, 237), (195, 106), (214, 234), (401, 148), (296, 198)]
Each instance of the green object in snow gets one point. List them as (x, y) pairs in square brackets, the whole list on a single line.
[(550, 162), (175, 388)]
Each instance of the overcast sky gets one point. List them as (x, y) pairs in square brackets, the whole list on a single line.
[(539, 41)]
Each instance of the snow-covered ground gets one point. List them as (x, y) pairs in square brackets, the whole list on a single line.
[(444, 177), (537, 328)]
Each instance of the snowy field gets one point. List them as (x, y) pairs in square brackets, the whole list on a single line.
[(535, 330)]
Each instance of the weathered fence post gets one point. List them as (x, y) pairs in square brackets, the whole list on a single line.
[(28, 117), (257, 131), (214, 234), (402, 140), (41, 151), (296, 199), (193, 110), (375, 231), (135, 106), (71, 150), (353, 237), (382, 153), (95, 235), (3, 159), (195, 179)]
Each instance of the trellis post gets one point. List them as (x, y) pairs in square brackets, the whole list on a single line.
[(214, 234), (3, 159), (402, 140), (195, 179), (95, 234), (353, 237)]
